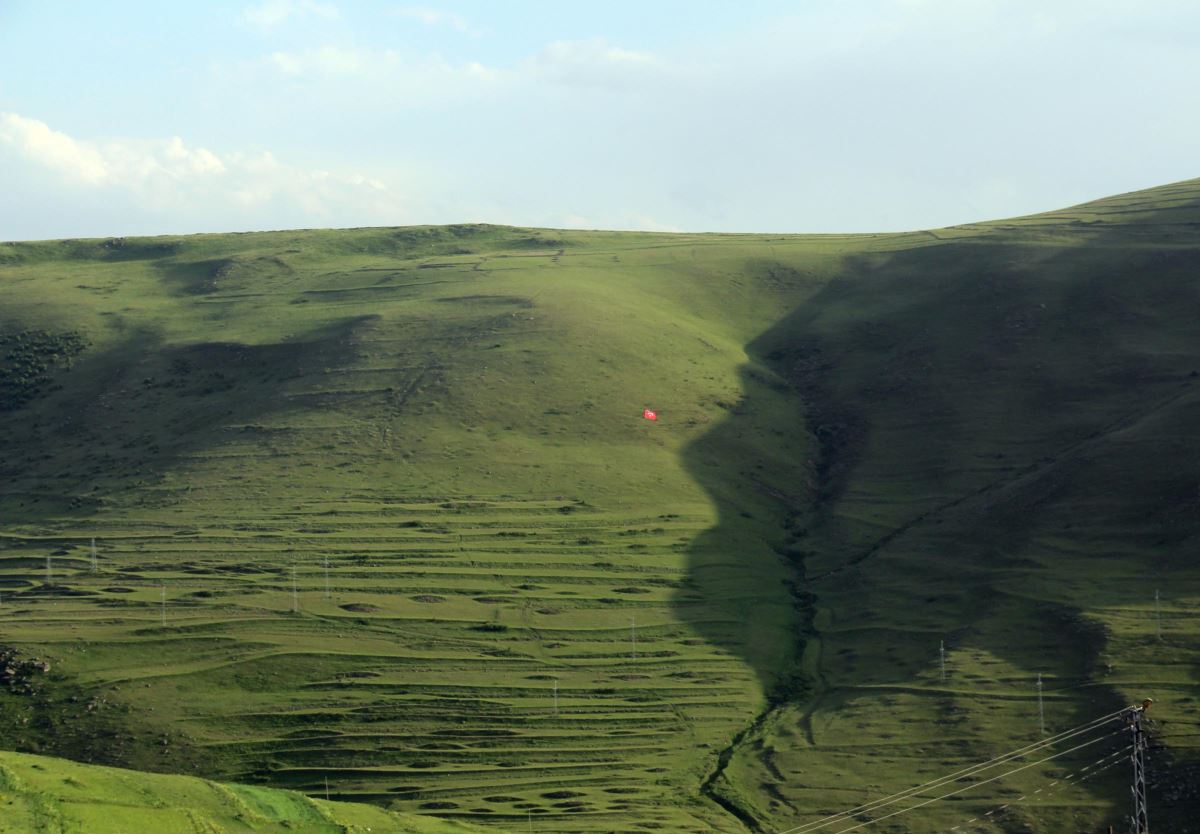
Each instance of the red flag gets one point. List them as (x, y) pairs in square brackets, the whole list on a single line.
[(650, 415)]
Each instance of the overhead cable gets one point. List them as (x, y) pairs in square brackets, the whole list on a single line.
[(885, 801)]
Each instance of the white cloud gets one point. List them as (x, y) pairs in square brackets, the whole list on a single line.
[(199, 161), (92, 165), (586, 63), (271, 13), (436, 17), (60, 153), (261, 180), (403, 79), (332, 61), (592, 63), (171, 176)]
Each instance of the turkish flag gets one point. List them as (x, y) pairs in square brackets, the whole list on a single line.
[(650, 415)]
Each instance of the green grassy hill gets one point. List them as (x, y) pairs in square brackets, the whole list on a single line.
[(42, 795), (379, 507)]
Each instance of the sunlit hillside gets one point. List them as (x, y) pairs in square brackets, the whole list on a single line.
[(379, 509)]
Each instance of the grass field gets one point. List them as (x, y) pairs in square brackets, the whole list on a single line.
[(378, 507), (42, 795)]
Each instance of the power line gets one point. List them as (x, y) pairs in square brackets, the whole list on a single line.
[(959, 774), (1106, 762), (934, 783), (974, 785)]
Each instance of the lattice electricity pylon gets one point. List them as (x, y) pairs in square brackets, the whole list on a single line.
[(1137, 756)]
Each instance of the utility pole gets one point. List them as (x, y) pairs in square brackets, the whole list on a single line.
[(942, 652), (1137, 757), (327, 787), (1041, 710), (49, 569), (1157, 616), (95, 565)]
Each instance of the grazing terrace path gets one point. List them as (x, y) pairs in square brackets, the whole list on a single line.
[(465, 614)]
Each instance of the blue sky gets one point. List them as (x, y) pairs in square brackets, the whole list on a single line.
[(152, 118)]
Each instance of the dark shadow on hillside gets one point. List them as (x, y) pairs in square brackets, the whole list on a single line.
[(968, 398), (736, 595), (119, 418), (104, 431)]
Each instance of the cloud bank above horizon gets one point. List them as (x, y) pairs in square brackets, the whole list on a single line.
[(870, 116)]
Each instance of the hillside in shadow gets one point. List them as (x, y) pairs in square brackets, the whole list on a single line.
[(118, 417), (98, 434), (1008, 427)]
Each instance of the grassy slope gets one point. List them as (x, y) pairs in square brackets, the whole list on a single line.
[(980, 435), (42, 795), (1010, 415), (451, 418)]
